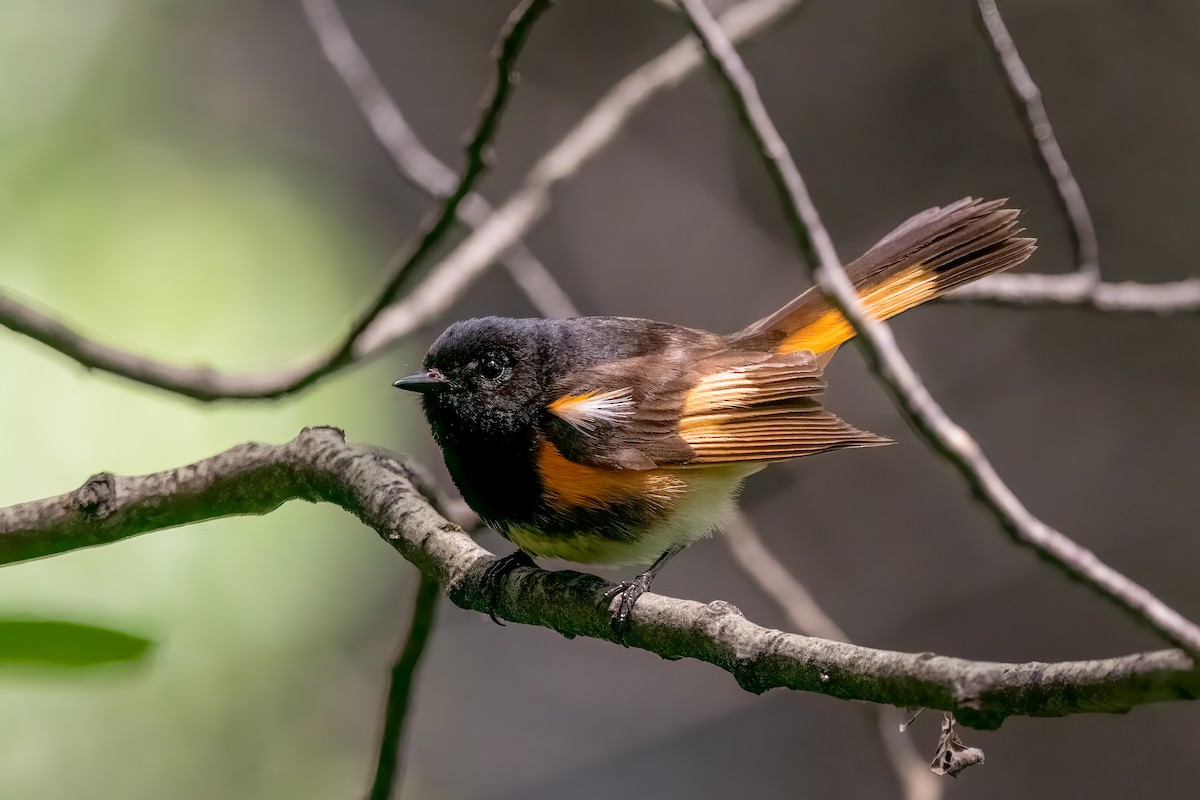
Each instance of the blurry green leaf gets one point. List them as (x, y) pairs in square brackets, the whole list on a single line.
[(35, 642)]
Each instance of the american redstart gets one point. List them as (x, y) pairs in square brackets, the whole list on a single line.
[(612, 440)]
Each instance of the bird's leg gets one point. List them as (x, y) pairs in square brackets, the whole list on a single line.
[(493, 577), (631, 590)]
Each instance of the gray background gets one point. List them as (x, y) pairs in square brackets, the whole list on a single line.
[(889, 108)]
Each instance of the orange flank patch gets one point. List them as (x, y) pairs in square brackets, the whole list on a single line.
[(570, 485), (902, 292)]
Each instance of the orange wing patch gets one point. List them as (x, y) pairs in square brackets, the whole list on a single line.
[(569, 485), (899, 293)]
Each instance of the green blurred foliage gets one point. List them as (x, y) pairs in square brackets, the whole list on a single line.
[(266, 678), (55, 643)]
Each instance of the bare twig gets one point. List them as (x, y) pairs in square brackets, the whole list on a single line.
[(1037, 124), (774, 578), (512, 39), (203, 383), (387, 494), (399, 691), (446, 281), (414, 160), (199, 383), (897, 375), (1083, 287), (453, 276), (1078, 291), (516, 216), (918, 782), (809, 618)]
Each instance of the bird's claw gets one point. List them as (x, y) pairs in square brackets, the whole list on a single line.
[(493, 578), (629, 591)]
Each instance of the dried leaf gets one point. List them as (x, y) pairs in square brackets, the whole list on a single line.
[(952, 756)]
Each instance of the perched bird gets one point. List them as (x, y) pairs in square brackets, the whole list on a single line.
[(619, 441)]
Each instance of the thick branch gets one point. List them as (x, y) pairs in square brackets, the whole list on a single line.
[(386, 494), (897, 375)]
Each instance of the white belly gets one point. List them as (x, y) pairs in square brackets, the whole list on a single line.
[(694, 514)]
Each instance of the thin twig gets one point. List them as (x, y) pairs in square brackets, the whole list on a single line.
[(511, 40), (803, 611), (1037, 125), (399, 691), (208, 384), (894, 372), (447, 280), (414, 160), (516, 216), (1083, 287), (1077, 291), (203, 383), (388, 495), (450, 278)]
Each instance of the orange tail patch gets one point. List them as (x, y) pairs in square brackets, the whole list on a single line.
[(903, 291), (927, 256)]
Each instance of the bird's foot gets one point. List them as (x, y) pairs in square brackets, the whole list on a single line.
[(493, 578), (629, 591)]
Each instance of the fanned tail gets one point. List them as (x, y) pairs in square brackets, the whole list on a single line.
[(927, 256)]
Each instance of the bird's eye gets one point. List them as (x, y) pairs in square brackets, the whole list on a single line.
[(491, 369)]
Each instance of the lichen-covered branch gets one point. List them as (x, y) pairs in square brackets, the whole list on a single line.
[(897, 375), (388, 494)]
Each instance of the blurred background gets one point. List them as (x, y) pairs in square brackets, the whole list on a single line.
[(190, 179)]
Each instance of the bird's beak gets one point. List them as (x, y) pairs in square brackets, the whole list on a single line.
[(421, 382)]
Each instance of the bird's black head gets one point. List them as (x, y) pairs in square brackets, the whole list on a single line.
[(486, 381)]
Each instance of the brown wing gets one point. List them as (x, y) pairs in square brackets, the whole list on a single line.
[(728, 407), (623, 414), (764, 411)]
